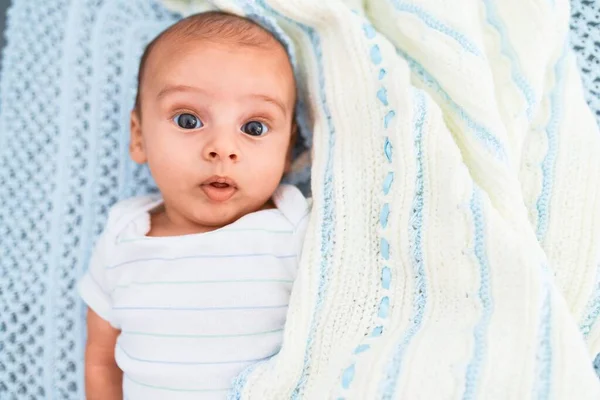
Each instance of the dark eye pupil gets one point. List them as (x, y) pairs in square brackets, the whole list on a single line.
[(187, 121), (253, 128)]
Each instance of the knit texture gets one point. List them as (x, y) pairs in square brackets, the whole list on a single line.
[(585, 40), (453, 251)]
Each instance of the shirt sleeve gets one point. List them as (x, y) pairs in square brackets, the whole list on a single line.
[(97, 284), (94, 287)]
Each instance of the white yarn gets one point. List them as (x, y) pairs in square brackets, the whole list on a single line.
[(489, 229)]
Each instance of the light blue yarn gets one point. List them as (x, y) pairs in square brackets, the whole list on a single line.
[(388, 118), (507, 50), (386, 277), (384, 304), (473, 374), (384, 307), (437, 25), (369, 30), (377, 331), (240, 381), (361, 348), (548, 165), (543, 383), (375, 54), (592, 309), (388, 385), (384, 215), (382, 96), (387, 149), (387, 183), (348, 376), (385, 249)]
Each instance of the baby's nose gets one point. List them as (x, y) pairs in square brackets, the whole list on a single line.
[(214, 155), (222, 148)]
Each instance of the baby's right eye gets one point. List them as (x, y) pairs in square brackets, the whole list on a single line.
[(188, 121)]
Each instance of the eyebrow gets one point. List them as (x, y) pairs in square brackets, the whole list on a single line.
[(177, 88), (184, 88), (277, 103)]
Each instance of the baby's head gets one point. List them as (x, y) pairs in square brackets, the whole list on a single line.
[(214, 118)]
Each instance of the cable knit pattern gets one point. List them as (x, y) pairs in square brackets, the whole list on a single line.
[(453, 251)]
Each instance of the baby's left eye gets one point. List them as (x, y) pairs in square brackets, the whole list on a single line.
[(188, 121), (254, 128)]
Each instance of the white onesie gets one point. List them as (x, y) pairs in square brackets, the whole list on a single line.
[(194, 311)]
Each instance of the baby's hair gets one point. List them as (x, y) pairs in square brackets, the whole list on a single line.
[(215, 26)]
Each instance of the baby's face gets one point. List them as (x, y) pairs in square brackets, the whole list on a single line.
[(215, 128)]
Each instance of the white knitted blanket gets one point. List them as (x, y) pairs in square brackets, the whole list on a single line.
[(453, 251)]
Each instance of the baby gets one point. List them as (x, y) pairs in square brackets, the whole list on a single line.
[(187, 289)]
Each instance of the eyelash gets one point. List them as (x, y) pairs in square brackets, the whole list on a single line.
[(183, 111)]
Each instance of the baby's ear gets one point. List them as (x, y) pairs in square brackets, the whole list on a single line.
[(136, 142)]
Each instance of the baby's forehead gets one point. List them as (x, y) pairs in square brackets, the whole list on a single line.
[(173, 52), (216, 27), (249, 36), (207, 29)]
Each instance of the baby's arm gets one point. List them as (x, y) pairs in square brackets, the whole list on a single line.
[(103, 378)]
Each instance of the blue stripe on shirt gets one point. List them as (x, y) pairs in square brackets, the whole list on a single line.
[(204, 256), (223, 230), (207, 282), (193, 362), (172, 389), (184, 336), (198, 308)]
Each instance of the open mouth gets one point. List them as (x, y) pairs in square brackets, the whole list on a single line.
[(218, 188), (220, 185)]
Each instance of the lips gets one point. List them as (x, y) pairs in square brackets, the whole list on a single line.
[(219, 188)]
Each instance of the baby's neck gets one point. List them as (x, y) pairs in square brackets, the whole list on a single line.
[(162, 226)]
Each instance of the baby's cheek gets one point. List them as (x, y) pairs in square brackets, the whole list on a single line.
[(169, 165), (272, 164), (266, 172)]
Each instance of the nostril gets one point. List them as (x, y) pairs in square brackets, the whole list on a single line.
[(212, 154), (233, 157)]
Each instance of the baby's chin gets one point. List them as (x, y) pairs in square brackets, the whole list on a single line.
[(214, 223), (214, 215), (213, 218)]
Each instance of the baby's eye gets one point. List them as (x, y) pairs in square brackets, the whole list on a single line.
[(254, 128), (188, 121)]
